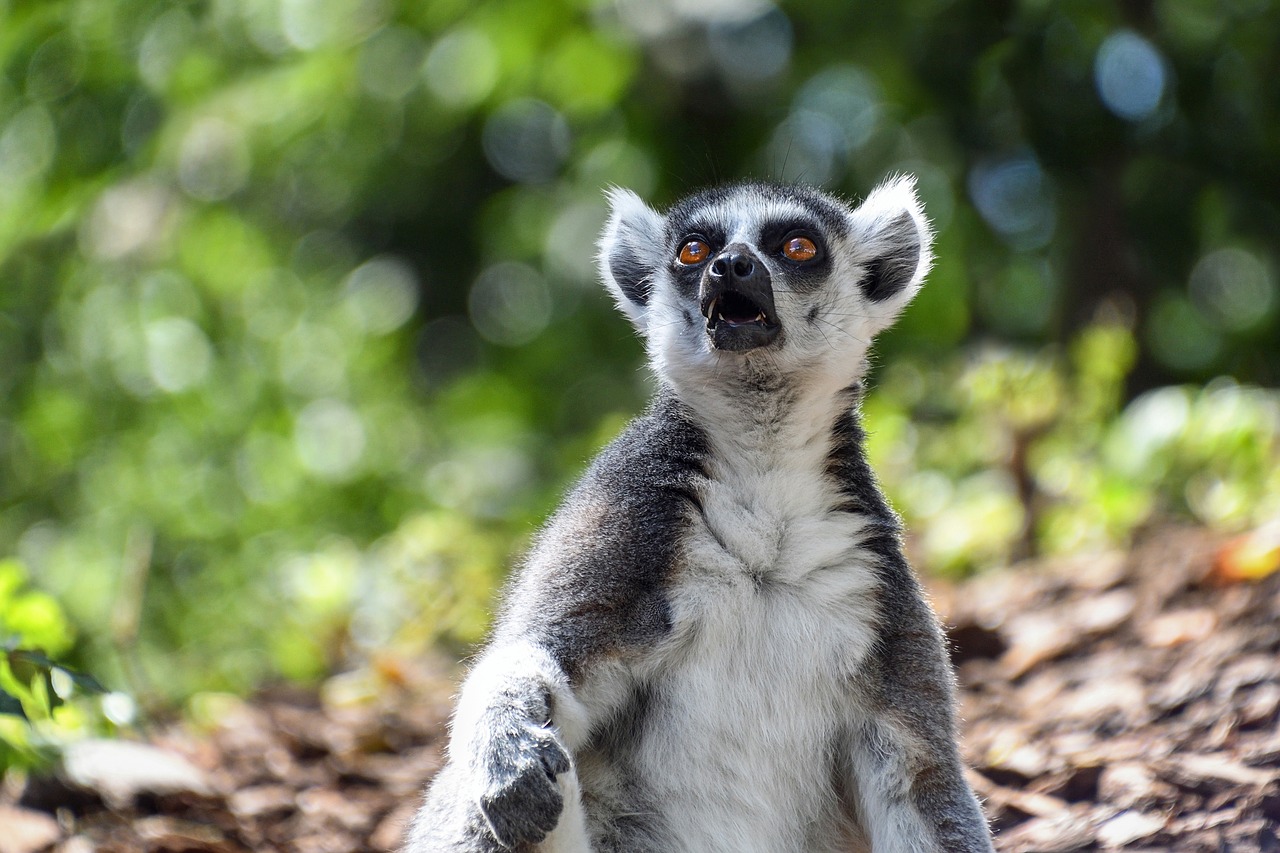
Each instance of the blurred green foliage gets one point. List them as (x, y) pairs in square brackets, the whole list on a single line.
[(299, 335), (35, 715), (1006, 454)]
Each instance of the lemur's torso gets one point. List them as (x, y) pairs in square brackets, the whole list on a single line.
[(716, 644), (735, 716)]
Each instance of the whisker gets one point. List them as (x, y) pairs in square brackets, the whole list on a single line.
[(850, 335), (824, 334)]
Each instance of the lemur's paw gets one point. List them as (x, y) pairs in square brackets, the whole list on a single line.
[(521, 800)]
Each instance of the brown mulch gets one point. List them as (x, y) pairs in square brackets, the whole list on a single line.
[(1123, 701)]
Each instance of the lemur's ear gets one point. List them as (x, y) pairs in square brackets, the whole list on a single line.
[(630, 252), (895, 247)]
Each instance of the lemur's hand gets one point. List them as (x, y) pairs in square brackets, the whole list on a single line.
[(519, 797)]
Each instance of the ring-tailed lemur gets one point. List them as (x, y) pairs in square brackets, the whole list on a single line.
[(716, 644)]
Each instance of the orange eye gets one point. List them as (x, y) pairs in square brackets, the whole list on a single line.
[(800, 249), (694, 252)]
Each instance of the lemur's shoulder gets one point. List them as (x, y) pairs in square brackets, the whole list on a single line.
[(663, 450), (596, 580)]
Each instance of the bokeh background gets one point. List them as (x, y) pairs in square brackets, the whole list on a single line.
[(300, 334)]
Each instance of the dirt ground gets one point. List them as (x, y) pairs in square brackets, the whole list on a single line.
[(1123, 701)]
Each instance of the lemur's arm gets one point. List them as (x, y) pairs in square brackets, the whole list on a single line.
[(901, 753), (591, 595), (508, 747), (508, 780), (901, 758), (901, 750)]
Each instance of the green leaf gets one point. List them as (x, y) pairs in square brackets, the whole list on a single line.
[(84, 681), (9, 704), (31, 657), (52, 697)]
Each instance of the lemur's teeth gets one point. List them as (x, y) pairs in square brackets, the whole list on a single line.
[(760, 317), (711, 309)]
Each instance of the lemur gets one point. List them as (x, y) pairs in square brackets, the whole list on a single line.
[(716, 643)]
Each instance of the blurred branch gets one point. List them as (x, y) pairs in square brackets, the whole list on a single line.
[(126, 615), (1026, 545)]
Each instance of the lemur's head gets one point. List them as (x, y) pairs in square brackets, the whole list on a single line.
[(760, 278)]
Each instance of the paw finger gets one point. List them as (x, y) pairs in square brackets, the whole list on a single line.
[(554, 757), (556, 760)]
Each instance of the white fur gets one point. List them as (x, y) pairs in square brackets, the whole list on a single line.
[(893, 824), (634, 224), (773, 618), (570, 834), (492, 671)]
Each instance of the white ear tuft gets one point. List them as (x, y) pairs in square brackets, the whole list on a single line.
[(895, 240), (630, 252)]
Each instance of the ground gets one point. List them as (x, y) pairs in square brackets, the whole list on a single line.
[(1117, 701)]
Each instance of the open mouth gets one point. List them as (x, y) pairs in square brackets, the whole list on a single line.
[(737, 323), (734, 309)]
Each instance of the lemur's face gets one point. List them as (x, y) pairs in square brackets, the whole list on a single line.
[(729, 255), (761, 276)]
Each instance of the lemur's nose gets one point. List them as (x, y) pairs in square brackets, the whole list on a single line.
[(740, 263)]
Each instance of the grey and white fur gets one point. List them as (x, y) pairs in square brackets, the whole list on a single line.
[(717, 644)]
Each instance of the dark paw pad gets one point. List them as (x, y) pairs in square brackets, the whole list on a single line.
[(521, 801)]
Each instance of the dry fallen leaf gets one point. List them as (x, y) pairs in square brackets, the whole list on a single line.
[(1249, 557), (26, 831)]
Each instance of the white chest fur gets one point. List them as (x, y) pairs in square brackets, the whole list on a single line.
[(773, 611)]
